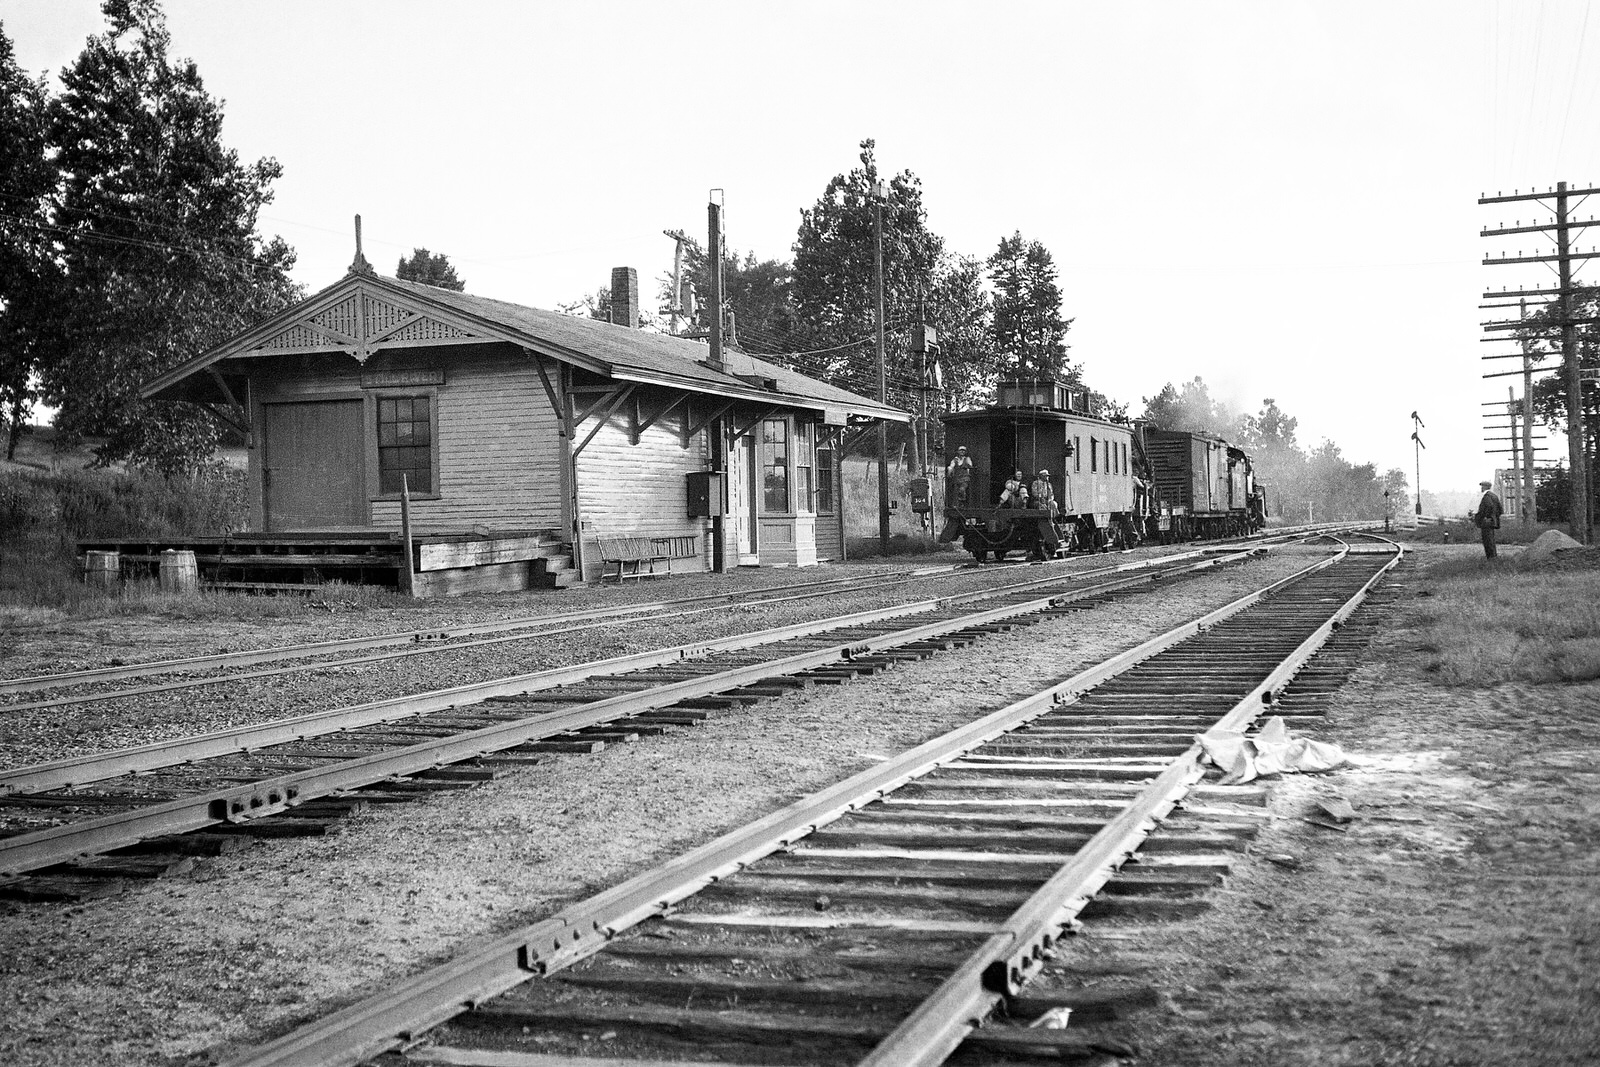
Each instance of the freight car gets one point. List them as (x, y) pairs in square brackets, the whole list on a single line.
[(1202, 486), (1037, 425)]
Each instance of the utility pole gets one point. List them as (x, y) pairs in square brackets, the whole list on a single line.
[(675, 303), (880, 192), (1418, 424), (717, 432), (1560, 228)]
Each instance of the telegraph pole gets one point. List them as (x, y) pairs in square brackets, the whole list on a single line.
[(1560, 228), (879, 193)]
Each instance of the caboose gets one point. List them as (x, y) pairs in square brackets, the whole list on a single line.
[(1037, 425)]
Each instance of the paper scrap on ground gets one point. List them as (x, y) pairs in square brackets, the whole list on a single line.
[(1270, 751)]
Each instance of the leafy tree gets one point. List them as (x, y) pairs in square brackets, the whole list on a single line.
[(758, 292), (157, 223), (961, 310), (1397, 485), (1190, 408), (834, 290), (1028, 328), (1271, 429), (27, 256), (429, 268)]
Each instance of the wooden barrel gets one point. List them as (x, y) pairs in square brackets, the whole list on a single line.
[(102, 569), (179, 574)]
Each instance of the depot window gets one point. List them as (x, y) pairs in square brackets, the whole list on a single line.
[(405, 444)]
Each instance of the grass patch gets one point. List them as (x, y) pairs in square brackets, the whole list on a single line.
[(1484, 623), (44, 513)]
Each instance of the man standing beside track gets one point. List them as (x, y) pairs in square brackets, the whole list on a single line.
[(1487, 518)]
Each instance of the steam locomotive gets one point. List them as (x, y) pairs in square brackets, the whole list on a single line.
[(1115, 485)]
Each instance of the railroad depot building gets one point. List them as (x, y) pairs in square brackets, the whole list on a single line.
[(526, 441)]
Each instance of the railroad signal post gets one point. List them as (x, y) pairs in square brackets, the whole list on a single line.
[(1416, 448)]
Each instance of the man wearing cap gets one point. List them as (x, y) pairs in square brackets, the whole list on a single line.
[(1043, 493), (958, 479), (1487, 517)]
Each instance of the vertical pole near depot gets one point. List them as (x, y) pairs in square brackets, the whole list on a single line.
[(717, 432), (1529, 493), (878, 191), (1577, 453)]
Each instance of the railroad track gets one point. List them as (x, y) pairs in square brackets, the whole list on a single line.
[(102, 684), (64, 817), (898, 917)]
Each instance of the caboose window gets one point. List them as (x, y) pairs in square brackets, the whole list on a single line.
[(1124, 457), (1077, 454), (1094, 455)]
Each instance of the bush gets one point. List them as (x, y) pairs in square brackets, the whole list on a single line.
[(44, 513)]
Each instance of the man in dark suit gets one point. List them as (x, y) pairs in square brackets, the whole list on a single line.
[(1487, 518)]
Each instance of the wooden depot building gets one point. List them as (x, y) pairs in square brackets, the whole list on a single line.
[(531, 447)]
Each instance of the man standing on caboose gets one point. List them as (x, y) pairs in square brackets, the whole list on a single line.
[(958, 479), (1043, 494), (1487, 518)]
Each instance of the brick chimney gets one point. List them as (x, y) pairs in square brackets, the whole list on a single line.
[(625, 296)]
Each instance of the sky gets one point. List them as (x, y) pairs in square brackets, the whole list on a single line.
[(1279, 197)]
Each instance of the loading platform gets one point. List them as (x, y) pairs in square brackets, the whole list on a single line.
[(442, 563)]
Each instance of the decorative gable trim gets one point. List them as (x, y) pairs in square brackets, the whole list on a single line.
[(360, 323)]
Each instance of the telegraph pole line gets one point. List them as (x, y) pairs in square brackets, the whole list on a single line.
[(1560, 228)]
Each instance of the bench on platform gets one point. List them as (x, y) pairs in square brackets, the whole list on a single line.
[(628, 553)]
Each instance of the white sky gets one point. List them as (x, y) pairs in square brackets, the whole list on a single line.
[(1279, 197)]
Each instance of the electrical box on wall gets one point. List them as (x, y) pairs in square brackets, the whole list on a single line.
[(705, 494)]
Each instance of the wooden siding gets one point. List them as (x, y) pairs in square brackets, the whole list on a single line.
[(628, 490), (498, 451), (496, 447)]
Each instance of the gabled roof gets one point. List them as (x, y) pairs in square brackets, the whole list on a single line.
[(363, 314)]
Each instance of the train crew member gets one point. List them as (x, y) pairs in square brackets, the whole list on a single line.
[(1016, 492), (1487, 517), (1043, 493), (958, 478)]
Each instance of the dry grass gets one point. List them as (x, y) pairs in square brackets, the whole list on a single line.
[(1484, 623)]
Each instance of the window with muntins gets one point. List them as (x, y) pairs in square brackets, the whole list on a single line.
[(804, 458), (775, 472), (405, 443), (825, 463)]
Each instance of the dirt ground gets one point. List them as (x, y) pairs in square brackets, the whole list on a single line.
[(1456, 921)]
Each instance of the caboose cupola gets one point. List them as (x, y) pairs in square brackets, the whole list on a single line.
[(1040, 393)]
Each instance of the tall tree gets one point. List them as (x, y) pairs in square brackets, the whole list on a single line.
[(27, 255), (1029, 330), (961, 311), (1190, 408), (429, 268), (158, 240), (834, 290)]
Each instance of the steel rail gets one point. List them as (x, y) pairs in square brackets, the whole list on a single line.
[(99, 766), (592, 616), (436, 642), (389, 1020), (1005, 962), (425, 638), (60, 844)]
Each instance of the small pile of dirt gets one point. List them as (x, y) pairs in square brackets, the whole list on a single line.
[(1548, 544)]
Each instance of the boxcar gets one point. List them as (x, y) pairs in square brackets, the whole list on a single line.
[(1203, 486), (1037, 425)]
